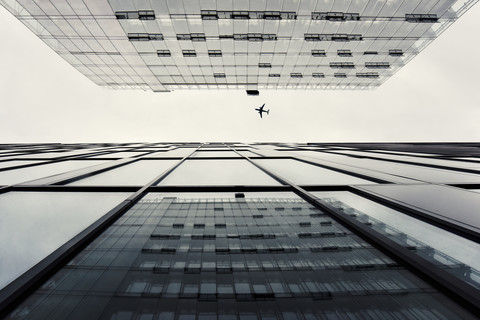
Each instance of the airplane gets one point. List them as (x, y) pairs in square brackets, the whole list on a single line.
[(260, 110)]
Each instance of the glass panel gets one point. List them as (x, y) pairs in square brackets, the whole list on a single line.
[(220, 154), (32, 173), (120, 155), (304, 173), (34, 224), (14, 163), (136, 174), (457, 206), (453, 252), (218, 172), (169, 258)]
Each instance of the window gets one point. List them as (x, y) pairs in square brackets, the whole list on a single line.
[(274, 75), (366, 53), (377, 65), (250, 37), (264, 65), (367, 75), (209, 15), (145, 36), (395, 52), (340, 75), (318, 75), (335, 16), (240, 15), (164, 53), (342, 65), (344, 53), (192, 36), (339, 37), (296, 75), (421, 18), (219, 75), (189, 53), (214, 53), (245, 15), (318, 53), (141, 15)]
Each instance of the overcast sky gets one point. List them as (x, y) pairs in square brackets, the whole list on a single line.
[(435, 97)]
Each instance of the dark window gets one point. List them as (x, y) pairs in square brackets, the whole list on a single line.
[(274, 75), (377, 65), (145, 36), (344, 53), (209, 15), (370, 53), (164, 53), (250, 37), (214, 53), (342, 65), (340, 37), (192, 36), (189, 53), (367, 75), (244, 15), (296, 75), (253, 93), (146, 15), (264, 65), (219, 75), (318, 75), (422, 18), (141, 14), (318, 53), (335, 16), (395, 52), (340, 75), (240, 15)]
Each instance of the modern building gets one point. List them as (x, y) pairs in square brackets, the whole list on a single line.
[(240, 231), (165, 45)]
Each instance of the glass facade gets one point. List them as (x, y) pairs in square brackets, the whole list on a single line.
[(167, 45), (239, 231)]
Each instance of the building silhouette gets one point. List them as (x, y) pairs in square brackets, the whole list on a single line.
[(239, 231), (258, 44)]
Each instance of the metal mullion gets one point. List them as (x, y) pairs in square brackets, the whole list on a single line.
[(461, 292)]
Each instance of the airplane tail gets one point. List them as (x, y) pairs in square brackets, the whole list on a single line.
[(268, 111)]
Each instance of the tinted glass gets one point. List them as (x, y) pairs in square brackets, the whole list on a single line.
[(137, 173), (304, 173), (34, 224), (218, 172)]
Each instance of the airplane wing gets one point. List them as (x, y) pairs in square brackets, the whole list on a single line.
[(260, 114), (261, 108)]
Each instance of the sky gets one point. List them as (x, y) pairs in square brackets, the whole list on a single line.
[(435, 97)]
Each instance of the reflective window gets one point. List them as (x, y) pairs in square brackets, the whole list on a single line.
[(304, 173), (14, 163), (43, 221), (135, 174), (32, 173), (220, 154), (218, 172), (452, 251), (457, 206)]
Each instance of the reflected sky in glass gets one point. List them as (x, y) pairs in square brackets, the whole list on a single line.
[(304, 173), (138, 173), (32, 173), (455, 246), (34, 224), (218, 172)]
